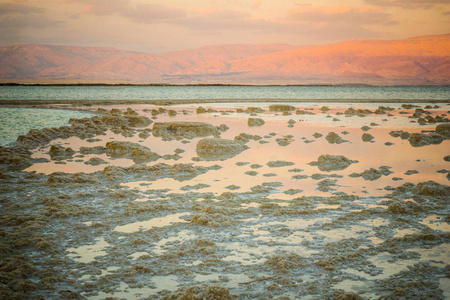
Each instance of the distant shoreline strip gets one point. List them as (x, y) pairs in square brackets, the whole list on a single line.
[(211, 85), (29, 103)]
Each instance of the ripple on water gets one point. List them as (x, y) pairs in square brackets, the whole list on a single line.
[(18, 121)]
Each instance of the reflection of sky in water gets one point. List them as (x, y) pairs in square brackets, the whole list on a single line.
[(155, 222), (88, 253), (401, 156)]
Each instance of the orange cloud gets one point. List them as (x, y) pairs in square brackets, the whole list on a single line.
[(341, 13), (219, 13), (7, 8), (411, 4), (256, 4), (141, 12)]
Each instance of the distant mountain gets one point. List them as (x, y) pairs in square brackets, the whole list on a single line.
[(418, 60)]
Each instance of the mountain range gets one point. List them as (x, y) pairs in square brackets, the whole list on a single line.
[(412, 61)]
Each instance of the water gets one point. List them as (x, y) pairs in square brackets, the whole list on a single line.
[(223, 92), (18, 121), (14, 122)]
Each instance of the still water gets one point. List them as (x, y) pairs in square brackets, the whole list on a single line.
[(18, 121), (14, 122), (223, 92)]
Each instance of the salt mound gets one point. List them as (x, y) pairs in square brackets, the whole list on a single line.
[(183, 129), (130, 118), (371, 174), (58, 152), (281, 107), (328, 163), (406, 208), (212, 292), (279, 163), (255, 122), (138, 152), (367, 137), (15, 157), (282, 263), (137, 121), (218, 149), (431, 188), (95, 161), (334, 138), (83, 128), (419, 139), (443, 128)]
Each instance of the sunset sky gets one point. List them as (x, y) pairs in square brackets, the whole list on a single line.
[(160, 26)]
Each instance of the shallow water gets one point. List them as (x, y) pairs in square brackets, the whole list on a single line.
[(272, 233), (303, 149), (222, 92), (18, 121)]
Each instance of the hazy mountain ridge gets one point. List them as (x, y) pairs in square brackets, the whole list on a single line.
[(418, 60)]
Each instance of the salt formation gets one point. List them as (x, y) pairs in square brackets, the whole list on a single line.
[(258, 241), (281, 107), (443, 128), (179, 130), (83, 128), (327, 163), (60, 152), (334, 138), (15, 157), (211, 292), (131, 118), (418, 139), (245, 137), (219, 149), (95, 161), (367, 137), (255, 122), (135, 151)]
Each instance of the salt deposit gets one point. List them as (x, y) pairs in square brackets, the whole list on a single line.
[(157, 212)]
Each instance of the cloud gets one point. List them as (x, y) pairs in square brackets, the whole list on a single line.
[(27, 22), (15, 8), (140, 12), (147, 13), (411, 4), (256, 4), (18, 16), (343, 14), (216, 19), (17, 21)]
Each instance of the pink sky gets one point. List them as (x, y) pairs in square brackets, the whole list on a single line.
[(160, 26)]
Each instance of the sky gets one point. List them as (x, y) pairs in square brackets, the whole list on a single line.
[(159, 26)]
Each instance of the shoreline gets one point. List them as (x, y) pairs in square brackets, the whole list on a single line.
[(355, 84), (200, 101)]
